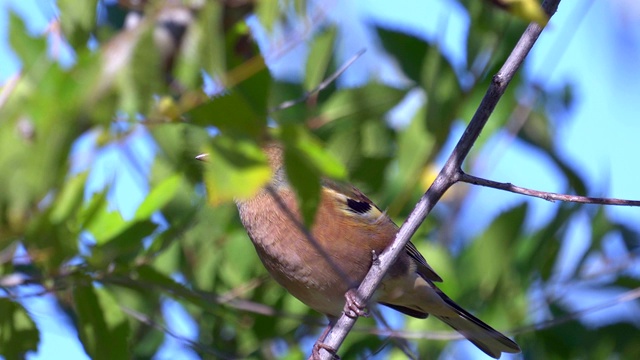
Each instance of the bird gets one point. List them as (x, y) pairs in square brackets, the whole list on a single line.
[(323, 265)]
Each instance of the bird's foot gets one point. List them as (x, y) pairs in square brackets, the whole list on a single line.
[(354, 306), (315, 352), (374, 258)]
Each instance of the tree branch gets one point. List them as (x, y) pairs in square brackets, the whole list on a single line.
[(326, 82), (447, 177), (549, 196), (624, 297)]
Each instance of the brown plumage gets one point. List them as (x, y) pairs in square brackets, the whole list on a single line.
[(320, 266)]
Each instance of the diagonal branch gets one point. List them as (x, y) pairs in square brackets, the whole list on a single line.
[(326, 82), (552, 197), (447, 177)]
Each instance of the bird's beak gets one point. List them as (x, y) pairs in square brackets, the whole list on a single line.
[(203, 157)]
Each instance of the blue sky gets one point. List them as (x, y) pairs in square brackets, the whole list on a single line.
[(594, 45)]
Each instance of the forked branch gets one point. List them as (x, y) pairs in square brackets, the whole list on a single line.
[(549, 196), (449, 175)]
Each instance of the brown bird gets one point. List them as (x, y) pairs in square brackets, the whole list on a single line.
[(320, 266)]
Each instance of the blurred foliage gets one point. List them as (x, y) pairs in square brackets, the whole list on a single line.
[(110, 273)]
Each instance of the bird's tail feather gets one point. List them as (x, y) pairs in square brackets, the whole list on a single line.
[(486, 338)]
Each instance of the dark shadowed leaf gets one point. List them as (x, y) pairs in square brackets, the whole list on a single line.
[(408, 50), (18, 333), (102, 326), (371, 101), (319, 58), (232, 114)]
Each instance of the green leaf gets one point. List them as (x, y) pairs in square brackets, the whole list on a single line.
[(31, 51), (210, 44), (306, 183), (158, 197), (162, 283), (376, 140), (242, 269), (103, 223), (282, 92), (415, 144), (102, 326), (322, 161), (627, 282), (202, 48), (539, 253), (232, 114), (78, 20), (319, 58), (444, 94), (124, 245), (234, 169), (630, 237), (527, 10), (371, 101), (306, 162), (180, 144), (70, 198), (498, 238), (415, 149), (409, 51), (18, 333), (268, 12), (142, 77)]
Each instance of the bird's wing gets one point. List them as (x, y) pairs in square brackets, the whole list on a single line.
[(360, 203), (423, 268)]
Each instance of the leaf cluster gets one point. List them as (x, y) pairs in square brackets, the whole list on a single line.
[(110, 270)]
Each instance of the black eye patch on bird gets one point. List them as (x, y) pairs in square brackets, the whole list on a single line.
[(359, 207)]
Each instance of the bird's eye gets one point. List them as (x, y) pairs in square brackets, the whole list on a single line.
[(359, 207)]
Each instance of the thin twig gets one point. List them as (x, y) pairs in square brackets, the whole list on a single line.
[(15, 280), (447, 177), (289, 103), (400, 343), (450, 335), (622, 298), (549, 196)]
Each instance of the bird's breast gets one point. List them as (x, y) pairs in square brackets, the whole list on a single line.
[(316, 266)]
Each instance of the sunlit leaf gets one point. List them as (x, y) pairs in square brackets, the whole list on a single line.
[(158, 197), (123, 245), (319, 58), (268, 12), (102, 222), (234, 169), (70, 198), (32, 51), (78, 20), (528, 10)]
